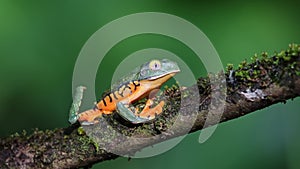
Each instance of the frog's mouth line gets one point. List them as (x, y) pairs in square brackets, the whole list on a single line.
[(167, 73)]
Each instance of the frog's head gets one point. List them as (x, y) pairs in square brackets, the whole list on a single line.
[(158, 68)]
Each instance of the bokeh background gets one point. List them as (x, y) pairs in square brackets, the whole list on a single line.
[(40, 41)]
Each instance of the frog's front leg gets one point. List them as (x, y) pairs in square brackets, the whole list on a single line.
[(147, 113)]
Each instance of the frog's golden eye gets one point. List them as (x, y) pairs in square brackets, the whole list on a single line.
[(155, 65)]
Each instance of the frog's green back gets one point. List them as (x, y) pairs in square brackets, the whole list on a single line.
[(133, 75)]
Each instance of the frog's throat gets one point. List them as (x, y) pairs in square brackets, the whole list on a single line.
[(156, 83)]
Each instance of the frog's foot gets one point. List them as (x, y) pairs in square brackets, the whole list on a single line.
[(151, 113), (88, 117), (87, 123), (147, 113)]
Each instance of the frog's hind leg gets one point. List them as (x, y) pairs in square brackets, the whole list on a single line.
[(73, 114), (88, 117), (125, 111)]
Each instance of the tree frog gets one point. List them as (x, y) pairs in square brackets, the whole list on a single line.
[(138, 84)]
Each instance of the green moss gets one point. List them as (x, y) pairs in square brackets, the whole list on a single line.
[(229, 67), (254, 58), (86, 142), (264, 69), (80, 131)]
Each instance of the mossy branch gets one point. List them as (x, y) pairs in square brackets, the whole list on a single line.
[(250, 87)]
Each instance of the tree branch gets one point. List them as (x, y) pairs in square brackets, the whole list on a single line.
[(250, 87)]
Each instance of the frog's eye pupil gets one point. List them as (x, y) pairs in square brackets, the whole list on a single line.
[(154, 65)]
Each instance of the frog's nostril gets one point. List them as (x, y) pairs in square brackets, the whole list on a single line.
[(143, 72)]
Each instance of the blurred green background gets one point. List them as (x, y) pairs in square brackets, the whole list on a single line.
[(40, 41)]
